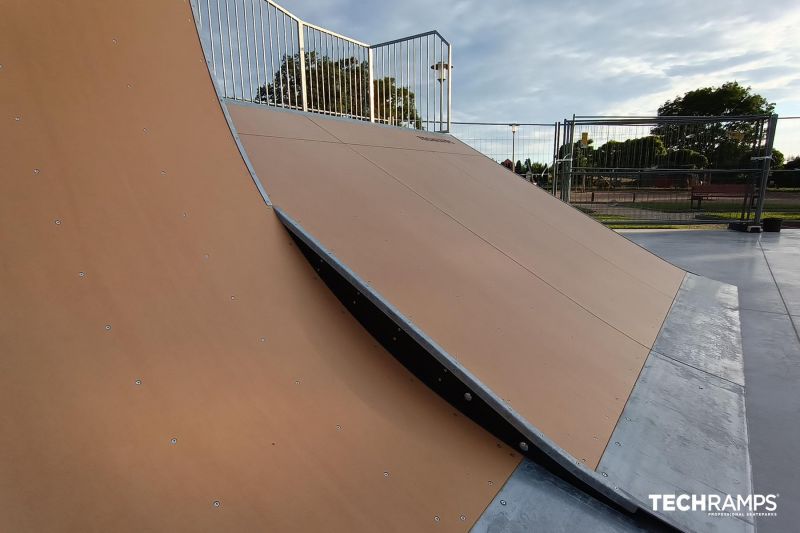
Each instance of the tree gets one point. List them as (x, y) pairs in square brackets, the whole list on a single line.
[(518, 167), (340, 86), (777, 158), (582, 154), (538, 168), (527, 165), (724, 144), (641, 152), (395, 105), (682, 158), (729, 99), (792, 164)]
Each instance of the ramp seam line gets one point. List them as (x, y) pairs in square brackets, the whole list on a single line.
[(457, 221), (339, 141), (780, 293), (684, 363)]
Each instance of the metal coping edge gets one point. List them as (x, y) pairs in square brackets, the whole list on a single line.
[(228, 118)]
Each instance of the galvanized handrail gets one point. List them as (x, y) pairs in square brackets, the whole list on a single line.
[(260, 52)]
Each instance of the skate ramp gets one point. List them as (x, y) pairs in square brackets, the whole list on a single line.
[(172, 361), (557, 321), (577, 337), (149, 294)]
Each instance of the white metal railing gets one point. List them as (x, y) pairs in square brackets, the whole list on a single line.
[(413, 81), (259, 52)]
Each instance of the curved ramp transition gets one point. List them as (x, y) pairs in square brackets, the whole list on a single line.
[(149, 295)]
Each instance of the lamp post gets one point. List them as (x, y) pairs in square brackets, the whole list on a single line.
[(513, 145), (441, 69)]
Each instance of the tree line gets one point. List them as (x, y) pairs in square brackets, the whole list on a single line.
[(721, 145)]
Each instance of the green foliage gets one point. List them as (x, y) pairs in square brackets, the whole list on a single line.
[(538, 168), (342, 86), (518, 167), (526, 166), (729, 99), (682, 158), (724, 144), (395, 105), (777, 158), (632, 153)]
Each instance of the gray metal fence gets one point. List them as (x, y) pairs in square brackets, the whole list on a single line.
[(260, 52), (527, 148), (666, 169), (413, 81), (643, 170)]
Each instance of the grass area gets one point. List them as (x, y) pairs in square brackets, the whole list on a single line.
[(786, 207), (714, 210), (619, 222), (667, 226), (610, 218), (785, 215)]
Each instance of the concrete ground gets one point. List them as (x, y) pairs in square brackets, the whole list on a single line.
[(766, 268)]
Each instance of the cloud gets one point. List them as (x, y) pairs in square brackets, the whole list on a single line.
[(716, 64)]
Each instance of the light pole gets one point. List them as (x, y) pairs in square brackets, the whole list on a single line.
[(513, 145), (441, 69)]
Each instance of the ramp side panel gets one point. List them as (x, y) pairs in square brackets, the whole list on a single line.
[(149, 295), (564, 370)]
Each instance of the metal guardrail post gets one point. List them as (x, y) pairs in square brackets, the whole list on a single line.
[(449, 84), (765, 166), (301, 30), (371, 86)]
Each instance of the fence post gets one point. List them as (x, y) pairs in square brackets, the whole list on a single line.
[(449, 83), (569, 133), (765, 166), (301, 30), (554, 167), (371, 86)]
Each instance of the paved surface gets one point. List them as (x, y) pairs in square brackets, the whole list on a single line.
[(766, 268)]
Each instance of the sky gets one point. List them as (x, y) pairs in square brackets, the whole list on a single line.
[(542, 61)]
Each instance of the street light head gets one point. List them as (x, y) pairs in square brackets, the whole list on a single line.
[(514, 128), (441, 69)]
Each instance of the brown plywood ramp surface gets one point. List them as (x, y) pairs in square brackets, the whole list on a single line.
[(551, 311), (169, 359)]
